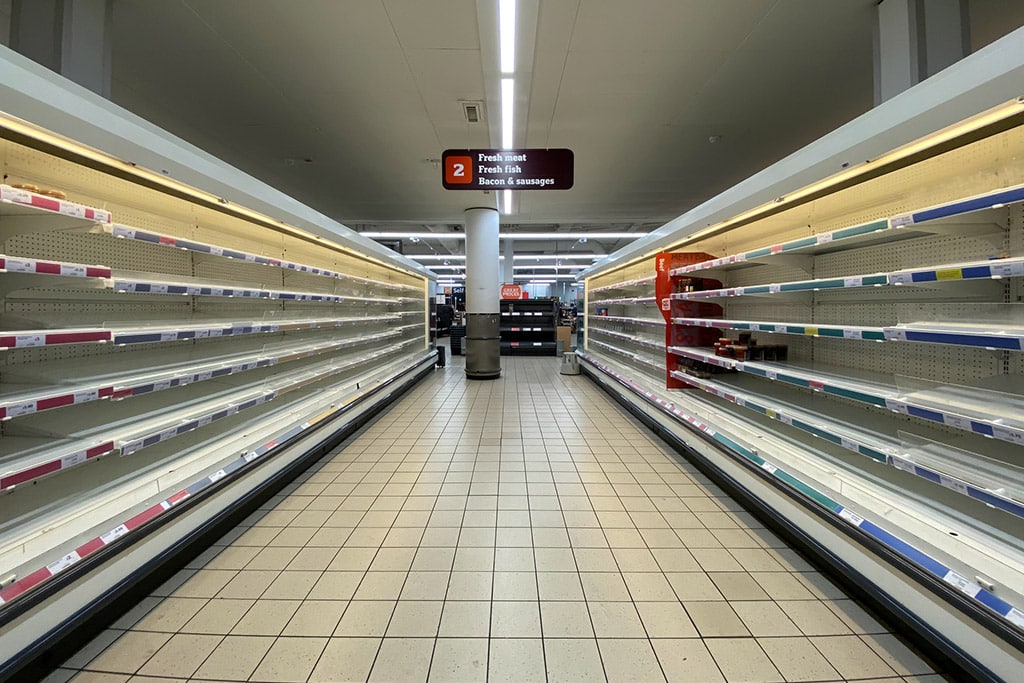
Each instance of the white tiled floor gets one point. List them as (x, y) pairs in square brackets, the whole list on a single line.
[(523, 529)]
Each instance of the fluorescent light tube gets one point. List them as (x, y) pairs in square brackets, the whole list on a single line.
[(507, 35), (507, 196), (508, 105)]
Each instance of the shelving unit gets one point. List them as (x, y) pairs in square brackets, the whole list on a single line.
[(189, 341), (528, 327), (892, 397)]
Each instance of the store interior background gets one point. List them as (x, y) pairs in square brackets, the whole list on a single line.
[(346, 106)]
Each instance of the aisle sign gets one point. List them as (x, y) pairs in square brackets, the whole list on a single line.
[(507, 169), (511, 292)]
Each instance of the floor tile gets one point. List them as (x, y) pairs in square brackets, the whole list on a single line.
[(515, 620), (559, 586), (715, 619), (629, 659), (764, 618), (896, 654), (852, 657), (235, 658), (515, 585), (605, 586), (459, 660), (566, 620), (366, 618), (814, 618), (475, 585), (316, 618), (129, 652), (380, 586), (516, 660), (465, 619), (573, 660), (402, 659), (415, 619), (687, 661), (666, 620), (290, 659), (797, 659), (180, 656), (690, 586), (425, 586), (335, 586), (743, 661), (648, 586), (616, 620), (170, 615), (266, 618)]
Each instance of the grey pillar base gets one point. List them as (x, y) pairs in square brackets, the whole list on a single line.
[(483, 346)]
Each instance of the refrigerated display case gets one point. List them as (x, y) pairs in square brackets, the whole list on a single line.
[(863, 371), (169, 342)]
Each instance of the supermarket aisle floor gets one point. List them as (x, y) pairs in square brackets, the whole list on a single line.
[(516, 530)]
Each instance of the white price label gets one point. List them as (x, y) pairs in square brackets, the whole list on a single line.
[(130, 448), (851, 334), (24, 340), (786, 419), (72, 270), (218, 475), (72, 460), (64, 562), (896, 406), (72, 210), (205, 420), (217, 251), (162, 385), (780, 328), (250, 456), (896, 334), (825, 238), (1016, 616), (202, 334), (900, 221), (232, 410), (848, 444), (962, 583), (168, 336), (216, 332), (157, 288), (769, 467), (1006, 434), (901, 464), (953, 484), (1003, 269), (114, 534), (17, 195), (771, 374), (856, 281), (957, 421), (17, 265), (216, 291), (740, 401), (86, 396), (900, 278), (851, 517), (167, 434), (122, 231), (203, 376), (23, 408)]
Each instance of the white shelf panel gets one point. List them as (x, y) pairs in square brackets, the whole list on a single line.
[(975, 270), (128, 232), (18, 202), (624, 300), (969, 474), (199, 327), (653, 322), (107, 377), (14, 264), (994, 414), (624, 284), (147, 420), (898, 227), (807, 329), (656, 346)]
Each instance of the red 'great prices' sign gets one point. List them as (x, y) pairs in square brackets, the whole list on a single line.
[(511, 292)]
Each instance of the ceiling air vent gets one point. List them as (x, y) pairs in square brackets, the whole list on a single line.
[(473, 111)]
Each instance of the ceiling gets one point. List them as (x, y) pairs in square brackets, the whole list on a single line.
[(348, 104)]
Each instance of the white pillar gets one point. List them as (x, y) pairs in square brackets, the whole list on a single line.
[(508, 273), (483, 346), (915, 39)]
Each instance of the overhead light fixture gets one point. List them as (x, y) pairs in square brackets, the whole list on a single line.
[(542, 282), (507, 35), (508, 93), (506, 196), (518, 257), (574, 237)]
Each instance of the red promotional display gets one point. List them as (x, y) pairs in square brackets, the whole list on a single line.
[(511, 292), (665, 285)]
